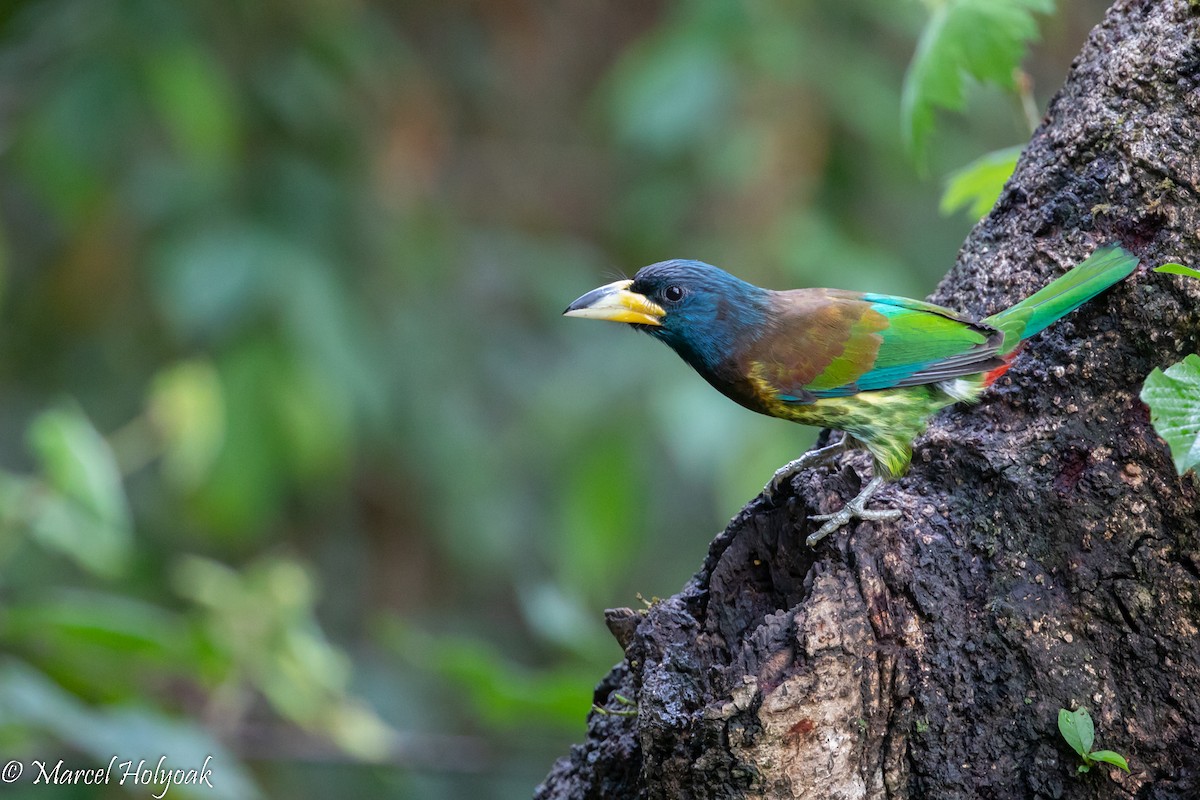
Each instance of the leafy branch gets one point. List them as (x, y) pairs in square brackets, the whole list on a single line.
[(964, 41), (984, 40)]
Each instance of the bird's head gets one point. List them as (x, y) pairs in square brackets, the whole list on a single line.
[(701, 311)]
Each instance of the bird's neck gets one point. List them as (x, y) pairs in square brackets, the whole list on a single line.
[(712, 341)]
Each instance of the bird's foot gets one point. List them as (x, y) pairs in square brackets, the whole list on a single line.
[(813, 458), (855, 509)]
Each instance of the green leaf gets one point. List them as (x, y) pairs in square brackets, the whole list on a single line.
[(1174, 399), (1077, 729), (980, 39), (123, 624), (84, 514), (77, 461), (977, 186), (187, 409), (57, 523), (1178, 269), (1109, 757), (1085, 728), (196, 101)]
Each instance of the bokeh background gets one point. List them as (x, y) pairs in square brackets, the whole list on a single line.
[(299, 464)]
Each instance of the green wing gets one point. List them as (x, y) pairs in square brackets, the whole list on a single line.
[(833, 344)]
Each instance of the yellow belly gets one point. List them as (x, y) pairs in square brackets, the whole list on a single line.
[(885, 422)]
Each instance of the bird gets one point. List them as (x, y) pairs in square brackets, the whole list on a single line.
[(873, 366)]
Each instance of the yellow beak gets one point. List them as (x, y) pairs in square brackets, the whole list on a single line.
[(615, 303)]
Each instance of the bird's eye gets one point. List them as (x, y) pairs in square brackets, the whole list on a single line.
[(673, 293)]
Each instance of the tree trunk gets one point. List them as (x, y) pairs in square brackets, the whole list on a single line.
[(1047, 557)]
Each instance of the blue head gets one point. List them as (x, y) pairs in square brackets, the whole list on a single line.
[(702, 312)]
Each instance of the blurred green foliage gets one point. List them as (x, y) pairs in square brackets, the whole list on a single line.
[(299, 465)]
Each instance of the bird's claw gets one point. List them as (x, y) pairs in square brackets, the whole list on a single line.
[(813, 458), (854, 509), (842, 518)]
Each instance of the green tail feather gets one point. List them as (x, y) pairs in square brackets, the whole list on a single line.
[(1101, 270)]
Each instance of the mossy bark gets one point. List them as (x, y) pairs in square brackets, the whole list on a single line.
[(1047, 557)]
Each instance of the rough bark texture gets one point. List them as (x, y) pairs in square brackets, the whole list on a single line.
[(1047, 556)]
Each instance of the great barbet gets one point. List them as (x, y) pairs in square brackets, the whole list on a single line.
[(873, 366)]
